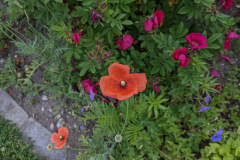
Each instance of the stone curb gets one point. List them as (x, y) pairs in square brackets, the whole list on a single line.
[(29, 127)]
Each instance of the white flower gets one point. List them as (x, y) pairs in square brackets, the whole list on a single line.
[(3, 149), (118, 138)]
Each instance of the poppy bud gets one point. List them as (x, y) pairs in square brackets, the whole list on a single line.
[(104, 5)]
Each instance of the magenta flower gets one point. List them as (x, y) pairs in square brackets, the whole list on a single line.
[(218, 87), (76, 37), (88, 86), (93, 17), (156, 19), (180, 54), (196, 40), (225, 57), (155, 88), (231, 35), (126, 42), (226, 4), (148, 25), (214, 73)]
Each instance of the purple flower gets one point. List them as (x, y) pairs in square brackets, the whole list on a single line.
[(220, 131), (207, 99), (93, 18), (203, 109), (82, 127), (110, 98), (216, 137), (91, 95), (82, 109)]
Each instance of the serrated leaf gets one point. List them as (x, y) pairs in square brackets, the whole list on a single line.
[(213, 38), (127, 22)]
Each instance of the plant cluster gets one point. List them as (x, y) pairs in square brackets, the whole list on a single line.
[(12, 145), (115, 49)]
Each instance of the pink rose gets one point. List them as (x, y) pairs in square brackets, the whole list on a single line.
[(126, 42), (214, 73), (225, 57), (180, 54), (159, 14), (226, 4), (148, 25), (231, 35), (156, 19), (196, 40), (88, 86), (76, 37)]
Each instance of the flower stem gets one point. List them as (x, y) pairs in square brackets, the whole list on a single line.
[(161, 152), (125, 119)]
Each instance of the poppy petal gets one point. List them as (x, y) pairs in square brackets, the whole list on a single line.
[(60, 144), (118, 71), (55, 137), (63, 131), (109, 87), (140, 79)]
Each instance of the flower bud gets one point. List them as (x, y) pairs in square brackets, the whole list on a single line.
[(96, 48), (96, 42), (104, 5), (97, 3), (100, 44)]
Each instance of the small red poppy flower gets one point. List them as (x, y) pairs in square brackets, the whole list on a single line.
[(76, 37), (126, 42), (120, 84), (60, 137), (214, 73), (180, 54), (88, 86), (218, 87), (225, 57), (226, 4), (196, 40)]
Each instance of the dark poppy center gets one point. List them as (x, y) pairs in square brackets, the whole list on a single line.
[(61, 137), (123, 84)]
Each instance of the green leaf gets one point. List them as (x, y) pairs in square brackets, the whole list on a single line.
[(213, 46), (215, 147), (237, 152), (127, 22), (162, 71), (92, 68), (155, 69), (184, 10), (90, 32), (125, 8), (110, 37), (120, 16), (113, 1), (83, 71), (158, 39), (213, 38), (114, 22), (128, 1), (88, 2), (45, 1), (56, 28), (60, 1)]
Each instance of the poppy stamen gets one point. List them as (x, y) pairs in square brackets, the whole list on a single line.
[(61, 137), (123, 84)]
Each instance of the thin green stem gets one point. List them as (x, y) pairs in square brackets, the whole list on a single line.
[(125, 119), (161, 152)]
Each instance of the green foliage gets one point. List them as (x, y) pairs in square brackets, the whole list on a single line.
[(228, 150), (12, 145)]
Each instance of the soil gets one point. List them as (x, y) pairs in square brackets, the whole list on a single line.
[(43, 111)]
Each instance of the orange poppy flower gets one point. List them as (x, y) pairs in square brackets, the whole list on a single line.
[(60, 137), (120, 84)]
